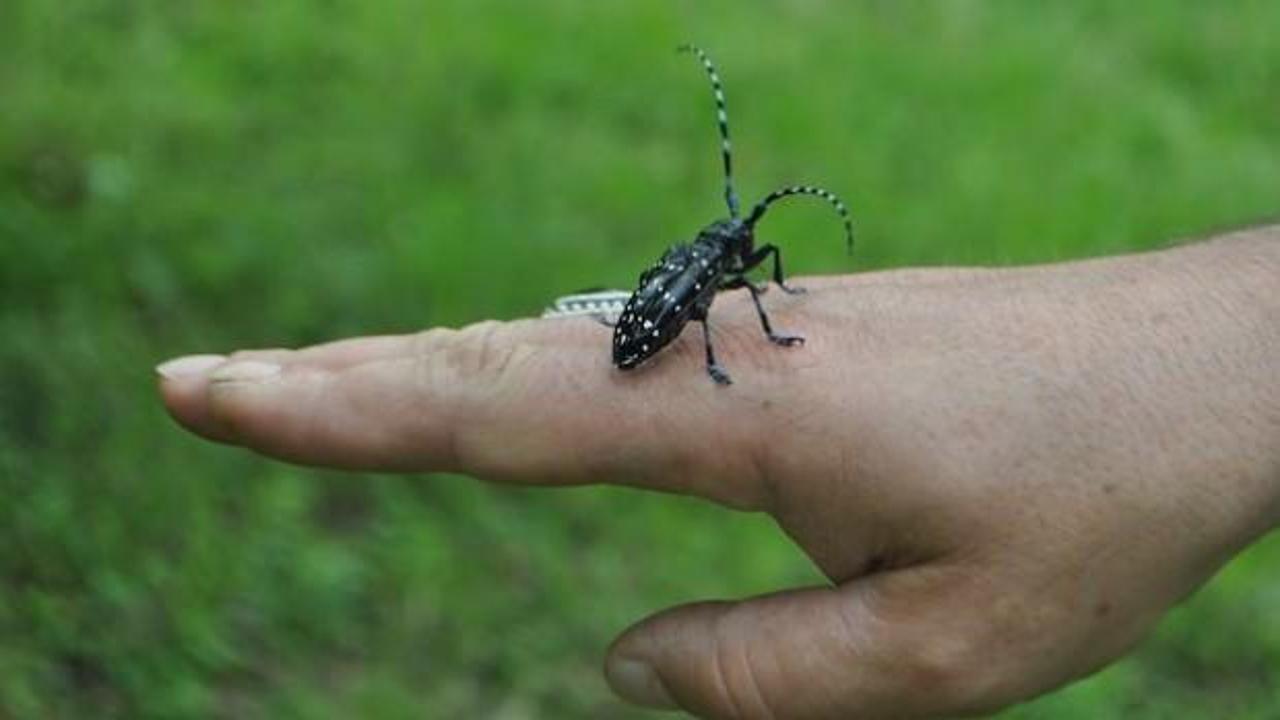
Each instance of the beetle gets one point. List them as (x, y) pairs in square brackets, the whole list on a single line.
[(681, 285)]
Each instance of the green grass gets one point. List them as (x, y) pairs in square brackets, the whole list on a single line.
[(182, 177)]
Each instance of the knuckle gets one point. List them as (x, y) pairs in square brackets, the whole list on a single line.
[(737, 688), (427, 342), (478, 351), (469, 362), (753, 701)]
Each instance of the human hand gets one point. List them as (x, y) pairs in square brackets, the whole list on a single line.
[(1008, 475)]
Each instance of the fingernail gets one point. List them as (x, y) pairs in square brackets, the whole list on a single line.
[(636, 682), (245, 371), (189, 365)]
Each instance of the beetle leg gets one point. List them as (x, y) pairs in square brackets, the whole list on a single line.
[(776, 338), (784, 340), (716, 372), (763, 254)]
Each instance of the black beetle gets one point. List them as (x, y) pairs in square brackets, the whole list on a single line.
[(684, 281)]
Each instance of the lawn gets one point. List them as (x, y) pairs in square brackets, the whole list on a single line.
[(184, 177)]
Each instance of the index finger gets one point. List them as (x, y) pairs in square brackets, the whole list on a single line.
[(529, 401)]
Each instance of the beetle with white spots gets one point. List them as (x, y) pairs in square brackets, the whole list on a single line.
[(681, 285)]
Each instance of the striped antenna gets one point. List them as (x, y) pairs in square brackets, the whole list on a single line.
[(722, 116), (758, 211)]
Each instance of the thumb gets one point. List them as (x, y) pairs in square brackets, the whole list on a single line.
[(896, 645)]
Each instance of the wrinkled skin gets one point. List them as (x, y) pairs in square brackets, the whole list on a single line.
[(1008, 475)]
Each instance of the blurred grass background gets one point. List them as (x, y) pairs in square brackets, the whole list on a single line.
[(193, 176)]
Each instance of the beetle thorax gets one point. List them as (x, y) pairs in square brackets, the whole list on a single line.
[(733, 234)]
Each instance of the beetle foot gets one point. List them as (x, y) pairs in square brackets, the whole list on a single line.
[(718, 374), (786, 340), (791, 289)]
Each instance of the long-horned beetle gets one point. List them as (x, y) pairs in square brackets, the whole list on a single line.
[(682, 284)]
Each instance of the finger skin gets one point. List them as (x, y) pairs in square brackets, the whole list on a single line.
[(499, 401)]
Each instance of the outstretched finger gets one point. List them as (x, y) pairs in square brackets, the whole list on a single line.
[(528, 401)]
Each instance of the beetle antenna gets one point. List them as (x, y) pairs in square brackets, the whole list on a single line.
[(758, 211), (722, 117)]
